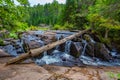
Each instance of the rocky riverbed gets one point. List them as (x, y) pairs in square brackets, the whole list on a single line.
[(32, 71), (83, 58)]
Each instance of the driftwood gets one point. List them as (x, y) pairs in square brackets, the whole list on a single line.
[(38, 51)]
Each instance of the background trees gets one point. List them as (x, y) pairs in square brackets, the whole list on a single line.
[(45, 14)]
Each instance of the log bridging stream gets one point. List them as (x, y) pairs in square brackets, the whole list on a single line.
[(38, 51)]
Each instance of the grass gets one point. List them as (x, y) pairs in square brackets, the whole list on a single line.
[(114, 75)]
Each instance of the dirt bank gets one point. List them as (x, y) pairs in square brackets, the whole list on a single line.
[(34, 72)]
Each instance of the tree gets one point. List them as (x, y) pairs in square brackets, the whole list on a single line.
[(104, 18), (76, 11), (49, 13), (10, 13)]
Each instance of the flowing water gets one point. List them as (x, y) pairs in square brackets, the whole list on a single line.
[(64, 58)]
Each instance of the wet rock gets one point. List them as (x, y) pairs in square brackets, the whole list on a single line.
[(76, 49), (102, 52), (62, 46), (95, 37), (77, 39), (50, 51), (34, 44), (87, 37), (90, 49), (10, 49), (98, 50), (4, 54), (49, 37), (7, 42)]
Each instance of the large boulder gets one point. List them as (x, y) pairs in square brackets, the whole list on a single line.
[(76, 49), (31, 44), (34, 44), (96, 49), (49, 37), (102, 52), (90, 49)]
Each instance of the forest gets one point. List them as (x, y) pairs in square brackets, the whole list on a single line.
[(103, 16)]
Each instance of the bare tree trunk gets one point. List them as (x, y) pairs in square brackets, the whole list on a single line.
[(106, 33), (37, 52)]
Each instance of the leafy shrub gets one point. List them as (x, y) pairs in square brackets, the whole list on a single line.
[(68, 26), (58, 27), (21, 26), (37, 28), (114, 75), (13, 35), (33, 28)]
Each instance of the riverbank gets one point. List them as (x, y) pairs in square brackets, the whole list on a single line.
[(31, 71)]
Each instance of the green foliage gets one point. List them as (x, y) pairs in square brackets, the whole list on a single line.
[(118, 75), (1, 42), (37, 28), (76, 11), (13, 35), (49, 13), (10, 14), (68, 26), (57, 27), (20, 26), (114, 75)]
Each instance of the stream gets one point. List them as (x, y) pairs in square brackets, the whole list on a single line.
[(87, 52)]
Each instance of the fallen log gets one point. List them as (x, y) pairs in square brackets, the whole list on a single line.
[(38, 51)]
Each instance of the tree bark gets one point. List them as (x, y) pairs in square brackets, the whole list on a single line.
[(106, 33), (38, 51)]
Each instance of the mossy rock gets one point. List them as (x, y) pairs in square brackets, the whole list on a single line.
[(87, 38)]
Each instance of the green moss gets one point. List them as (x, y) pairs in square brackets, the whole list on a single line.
[(87, 38)]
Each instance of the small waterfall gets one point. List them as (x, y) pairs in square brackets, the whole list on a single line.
[(62, 56), (58, 38), (67, 46), (21, 45), (85, 44), (45, 52), (91, 39)]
